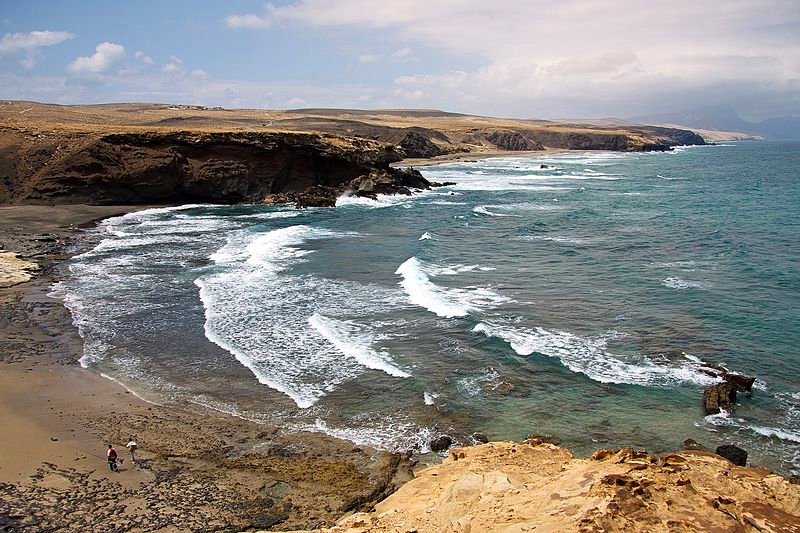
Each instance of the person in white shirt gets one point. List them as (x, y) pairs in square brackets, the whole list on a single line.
[(132, 448)]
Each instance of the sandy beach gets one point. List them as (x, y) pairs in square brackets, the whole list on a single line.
[(197, 471)]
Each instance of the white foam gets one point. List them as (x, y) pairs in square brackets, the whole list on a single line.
[(351, 339), (380, 201), (682, 284), (590, 356), (256, 310), (553, 238), (429, 398), (395, 435), (724, 418), (444, 302), (425, 236), (484, 210)]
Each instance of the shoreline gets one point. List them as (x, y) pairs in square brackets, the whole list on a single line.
[(460, 157), (194, 461), (199, 469)]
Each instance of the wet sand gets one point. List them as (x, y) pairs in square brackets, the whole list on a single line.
[(198, 470)]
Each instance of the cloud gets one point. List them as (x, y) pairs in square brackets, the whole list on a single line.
[(554, 57), (199, 74), (175, 66), (30, 42), (106, 55), (368, 58), (14, 42), (296, 102), (254, 22), (402, 53), (143, 58)]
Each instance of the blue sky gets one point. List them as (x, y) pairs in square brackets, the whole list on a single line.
[(529, 59)]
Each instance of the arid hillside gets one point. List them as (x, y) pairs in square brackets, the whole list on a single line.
[(153, 153)]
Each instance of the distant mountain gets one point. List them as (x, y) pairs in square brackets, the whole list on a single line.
[(726, 119)]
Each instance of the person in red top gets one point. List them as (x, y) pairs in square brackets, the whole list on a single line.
[(112, 458)]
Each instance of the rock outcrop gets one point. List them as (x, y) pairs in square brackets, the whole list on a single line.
[(722, 396), (151, 167), (534, 486), (156, 154)]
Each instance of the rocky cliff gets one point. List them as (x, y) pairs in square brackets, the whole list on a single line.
[(155, 167), (155, 154), (534, 486)]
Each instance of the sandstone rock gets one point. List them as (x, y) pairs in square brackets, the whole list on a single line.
[(733, 454), (508, 486)]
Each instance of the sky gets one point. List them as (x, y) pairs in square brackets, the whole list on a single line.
[(513, 58)]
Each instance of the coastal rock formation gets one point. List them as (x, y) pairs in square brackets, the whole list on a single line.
[(140, 168), (154, 154), (507, 486), (722, 396)]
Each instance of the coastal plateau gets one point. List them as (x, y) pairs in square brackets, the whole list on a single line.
[(134, 154)]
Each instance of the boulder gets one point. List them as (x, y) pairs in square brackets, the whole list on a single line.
[(441, 443), (718, 397), (733, 454), (740, 382)]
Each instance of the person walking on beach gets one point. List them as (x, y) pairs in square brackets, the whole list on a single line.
[(132, 448), (112, 458)]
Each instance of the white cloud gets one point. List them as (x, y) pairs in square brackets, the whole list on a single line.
[(539, 55), (175, 66), (199, 74), (143, 58), (247, 21), (30, 42), (368, 58), (296, 102), (106, 55), (402, 53), (14, 42)]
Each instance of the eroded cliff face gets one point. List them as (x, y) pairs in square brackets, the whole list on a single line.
[(534, 486), (140, 168)]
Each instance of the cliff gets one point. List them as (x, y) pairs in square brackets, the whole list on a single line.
[(182, 166), (149, 153), (534, 486)]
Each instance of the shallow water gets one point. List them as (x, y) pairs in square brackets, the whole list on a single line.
[(577, 300)]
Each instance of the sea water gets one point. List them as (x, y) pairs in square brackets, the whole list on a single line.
[(576, 295)]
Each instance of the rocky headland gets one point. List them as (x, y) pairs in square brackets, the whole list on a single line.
[(535, 486), (134, 154)]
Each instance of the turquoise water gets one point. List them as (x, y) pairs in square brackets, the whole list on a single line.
[(579, 299)]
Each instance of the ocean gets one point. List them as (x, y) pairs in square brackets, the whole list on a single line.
[(575, 295)]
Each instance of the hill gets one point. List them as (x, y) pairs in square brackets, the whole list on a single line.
[(154, 153)]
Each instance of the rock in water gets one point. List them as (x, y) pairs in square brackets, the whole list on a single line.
[(741, 382), (733, 454), (691, 444), (441, 443), (718, 397)]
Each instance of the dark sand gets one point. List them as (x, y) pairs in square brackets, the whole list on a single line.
[(198, 470)]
